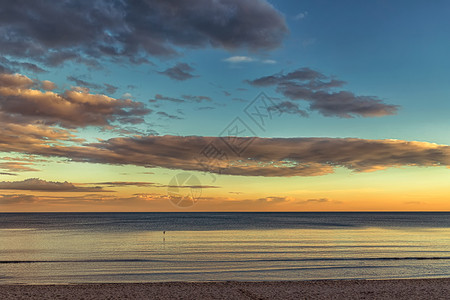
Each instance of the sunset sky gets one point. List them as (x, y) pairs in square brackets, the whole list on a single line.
[(250, 105)]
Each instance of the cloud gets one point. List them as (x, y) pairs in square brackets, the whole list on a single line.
[(247, 59), (110, 89), (35, 184), (269, 61), (21, 101), (274, 199), (20, 137), (115, 184), (301, 15), (197, 99), (289, 108), (321, 200), (270, 157), (239, 59), (8, 66), (180, 72), (48, 85), (169, 116), (18, 199), (161, 98), (319, 90), (126, 183), (15, 81), (184, 99), (87, 31), (17, 167), (84, 83), (107, 88)]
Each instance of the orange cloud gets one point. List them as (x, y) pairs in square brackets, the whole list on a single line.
[(17, 167), (22, 101)]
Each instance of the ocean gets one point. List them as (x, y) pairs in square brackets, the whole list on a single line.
[(65, 248)]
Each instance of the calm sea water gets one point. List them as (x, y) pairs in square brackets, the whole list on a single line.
[(56, 248)]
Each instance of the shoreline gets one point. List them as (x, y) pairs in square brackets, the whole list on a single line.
[(436, 288)]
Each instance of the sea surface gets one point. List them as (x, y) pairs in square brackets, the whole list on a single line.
[(60, 248)]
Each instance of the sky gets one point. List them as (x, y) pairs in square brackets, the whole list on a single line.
[(224, 105)]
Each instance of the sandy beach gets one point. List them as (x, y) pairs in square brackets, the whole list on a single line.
[(319, 289)]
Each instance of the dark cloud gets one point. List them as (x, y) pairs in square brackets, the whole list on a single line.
[(159, 97), (169, 116), (52, 32), (289, 108), (8, 66), (35, 184), (22, 102), (197, 99), (319, 90), (181, 71), (184, 98), (206, 108), (110, 89), (80, 82), (8, 174), (107, 88)]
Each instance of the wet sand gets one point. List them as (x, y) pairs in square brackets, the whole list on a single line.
[(320, 289)]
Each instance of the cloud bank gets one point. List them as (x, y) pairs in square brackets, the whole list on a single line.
[(271, 157)]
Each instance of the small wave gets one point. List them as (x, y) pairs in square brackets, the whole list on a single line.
[(230, 261), (75, 261)]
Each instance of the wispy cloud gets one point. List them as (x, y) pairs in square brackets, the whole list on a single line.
[(35, 184), (161, 98), (301, 15), (18, 199), (169, 116), (180, 72), (17, 167), (247, 59), (196, 98)]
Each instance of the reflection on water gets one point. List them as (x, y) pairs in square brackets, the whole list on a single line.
[(96, 255)]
